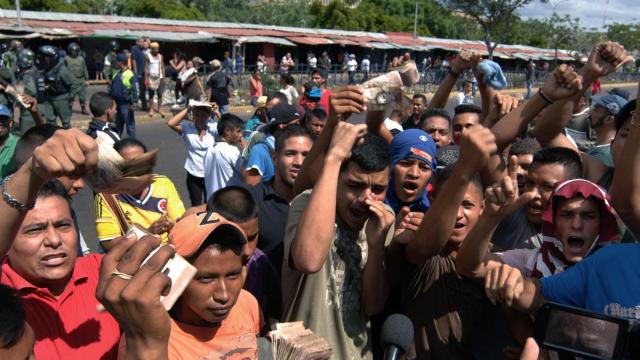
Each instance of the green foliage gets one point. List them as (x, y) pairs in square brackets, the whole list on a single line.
[(6, 4), (159, 9), (626, 34)]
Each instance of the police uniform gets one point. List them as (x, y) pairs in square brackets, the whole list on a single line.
[(58, 82), (30, 83), (109, 69), (78, 69), (124, 90)]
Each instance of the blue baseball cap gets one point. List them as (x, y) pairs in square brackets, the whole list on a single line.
[(121, 58), (4, 111), (613, 103), (620, 92), (314, 93), (413, 144)]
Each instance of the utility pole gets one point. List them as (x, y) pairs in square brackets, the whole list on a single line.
[(415, 25), (18, 17)]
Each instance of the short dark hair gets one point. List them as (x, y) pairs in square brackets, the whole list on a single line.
[(13, 318), (429, 113), (318, 72), (290, 131), (318, 113), (54, 188), (100, 102), (372, 155), (443, 175), (278, 95), (569, 159), (624, 114), (229, 121), (467, 108), (129, 142), (526, 146), (288, 79), (30, 140), (395, 112), (234, 203), (420, 96)]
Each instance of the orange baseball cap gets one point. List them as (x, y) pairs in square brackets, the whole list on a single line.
[(190, 232)]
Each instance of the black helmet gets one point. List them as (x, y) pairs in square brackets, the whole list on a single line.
[(25, 59), (4, 47), (114, 46), (73, 47), (48, 50), (28, 52)]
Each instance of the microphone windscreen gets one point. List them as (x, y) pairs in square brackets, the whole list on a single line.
[(397, 330), (264, 349)]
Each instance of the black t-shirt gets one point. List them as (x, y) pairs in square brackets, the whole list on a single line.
[(272, 211), (218, 82), (516, 232)]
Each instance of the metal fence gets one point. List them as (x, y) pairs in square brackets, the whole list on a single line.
[(429, 81)]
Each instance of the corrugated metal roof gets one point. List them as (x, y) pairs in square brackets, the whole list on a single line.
[(309, 40), (157, 35), (56, 25), (265, 39)]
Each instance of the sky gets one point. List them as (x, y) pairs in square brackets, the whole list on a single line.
[(590, 12)]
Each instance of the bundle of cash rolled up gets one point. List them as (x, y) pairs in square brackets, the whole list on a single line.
[(292, 341), (384, 91), (115, 175)]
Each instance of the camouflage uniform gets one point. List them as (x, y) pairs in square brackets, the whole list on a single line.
[(78, 69), (58, 86)]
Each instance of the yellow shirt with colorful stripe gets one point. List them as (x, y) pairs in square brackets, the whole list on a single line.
[(162, 198)]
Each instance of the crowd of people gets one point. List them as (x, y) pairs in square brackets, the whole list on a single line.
[(466, 222)]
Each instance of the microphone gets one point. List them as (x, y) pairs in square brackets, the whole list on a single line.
[(264, 349), (396, 336)]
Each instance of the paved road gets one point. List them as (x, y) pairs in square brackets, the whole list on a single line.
[(155, 134)]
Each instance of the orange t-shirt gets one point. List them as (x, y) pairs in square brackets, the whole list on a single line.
[(234, 339)]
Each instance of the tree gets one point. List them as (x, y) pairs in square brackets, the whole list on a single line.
[(493, 16), (626, 34)]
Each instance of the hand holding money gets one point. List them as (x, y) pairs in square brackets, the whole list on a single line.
[(115, 175), (382, 92)]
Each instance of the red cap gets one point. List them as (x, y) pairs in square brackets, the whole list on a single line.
[(190, 232)]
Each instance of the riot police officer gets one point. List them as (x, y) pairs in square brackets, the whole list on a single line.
[(29, 76), (78, 68), (110, 68), (9, 58), (57, 87)]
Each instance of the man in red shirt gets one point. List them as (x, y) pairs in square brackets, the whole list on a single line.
[(40, 239)]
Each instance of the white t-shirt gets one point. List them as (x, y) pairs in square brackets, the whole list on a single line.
[(290, 93), (222, 167), (313, 62), (352, 65), (197, 147), (461, 98), (392, 125), (364, 65), (521, 259)]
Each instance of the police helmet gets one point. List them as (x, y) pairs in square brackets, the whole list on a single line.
[(4, 47), (73, 47), (25, 60), (114, 46), (28, 53), (48, 50)]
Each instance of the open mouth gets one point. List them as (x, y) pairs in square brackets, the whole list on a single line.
[(54, 259), (410, 186), (458, 225), (575, 243), (535, 208), (359, 214)]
